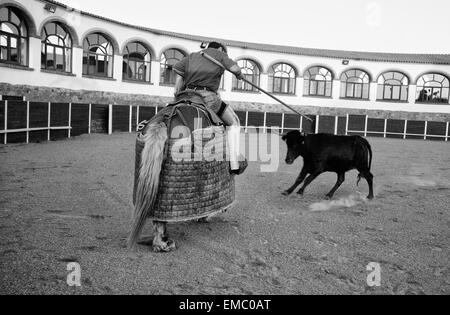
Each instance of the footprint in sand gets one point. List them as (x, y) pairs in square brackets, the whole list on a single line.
[(88, 248), (69, 259)]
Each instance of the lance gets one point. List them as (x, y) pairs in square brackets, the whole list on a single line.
[(256, 87)]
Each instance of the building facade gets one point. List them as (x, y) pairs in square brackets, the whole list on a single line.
[(61, 62)]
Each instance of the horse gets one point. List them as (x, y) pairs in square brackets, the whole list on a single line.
[(170, 189)]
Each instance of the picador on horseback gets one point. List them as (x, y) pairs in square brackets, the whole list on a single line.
[(172, 189)]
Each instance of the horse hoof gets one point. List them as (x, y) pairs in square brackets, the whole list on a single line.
[(203, 220), (328, 197), (286, 193), (370, 197), (164, 247)]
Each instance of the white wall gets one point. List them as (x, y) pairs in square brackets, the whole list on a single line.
[(84, 25)]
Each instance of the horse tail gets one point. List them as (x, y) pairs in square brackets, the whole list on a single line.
[(152, 157)]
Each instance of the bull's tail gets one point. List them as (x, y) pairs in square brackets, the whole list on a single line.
[(152, 157), (368, 149)]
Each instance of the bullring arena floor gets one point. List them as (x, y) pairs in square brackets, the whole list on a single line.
[(70, 201)]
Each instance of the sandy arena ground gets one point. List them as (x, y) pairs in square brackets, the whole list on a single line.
[(70, 201)]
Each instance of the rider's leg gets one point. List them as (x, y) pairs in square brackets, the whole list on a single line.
[(230, 118)]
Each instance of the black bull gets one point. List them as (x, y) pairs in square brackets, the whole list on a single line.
[(329, 153)]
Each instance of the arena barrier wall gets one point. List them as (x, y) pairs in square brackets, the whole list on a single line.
[(27, 122)]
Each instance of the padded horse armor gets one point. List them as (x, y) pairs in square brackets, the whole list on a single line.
[(193, 188)]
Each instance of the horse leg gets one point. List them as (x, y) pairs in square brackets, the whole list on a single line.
[(161, 241)]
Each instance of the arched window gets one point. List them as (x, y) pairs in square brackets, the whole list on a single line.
[(282, 79), (168, 59), (251, 72), (13, 37), (318, 81), (136, 62), (98, 56), (432, 88), (355, 84), (56, 48), (393, 86)]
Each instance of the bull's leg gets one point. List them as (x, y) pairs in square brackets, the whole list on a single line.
[(369, 178), (161, 241), (301, 177), (365, 172), (308, 181), (340, 180)]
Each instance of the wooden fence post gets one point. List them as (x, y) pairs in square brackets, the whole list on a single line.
[(137, 117), (366, 125), (130, 120), (69, 134), (336, 121), (5, 137), (446, 131), (265, 123), (110, 118), (346, 124), (49, 120), (406, 128), (90, 118), (317, 123), (28, 122), (246, 121)]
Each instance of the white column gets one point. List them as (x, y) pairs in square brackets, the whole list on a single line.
[(228, 81), (336, 89), (412, 94), (118, 64), (299, 87), (77, 61), (264, 81), (373, 91), (155, 75), (34, 57)]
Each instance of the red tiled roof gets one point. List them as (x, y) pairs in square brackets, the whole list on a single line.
[(437, 59)]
